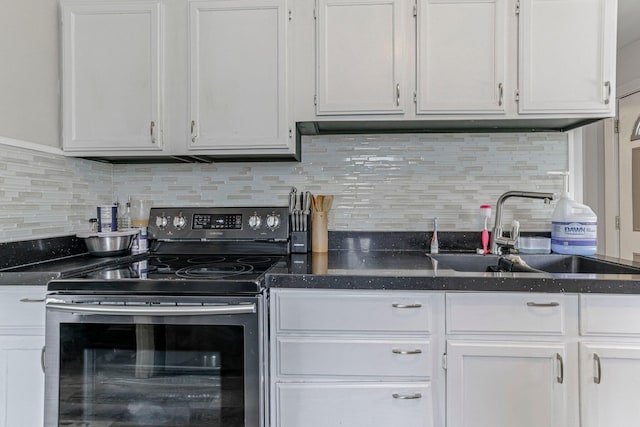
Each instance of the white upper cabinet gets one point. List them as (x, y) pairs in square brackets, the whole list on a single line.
[(567, 56), (461, 56), (111, 75), (360, 57), (237, 76)]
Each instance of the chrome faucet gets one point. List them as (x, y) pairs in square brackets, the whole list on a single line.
[(498, 241)]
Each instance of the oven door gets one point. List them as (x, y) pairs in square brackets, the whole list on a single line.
[(154, 361)]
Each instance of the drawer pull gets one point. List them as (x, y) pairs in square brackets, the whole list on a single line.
[(397, 305), (547, 304), (32, 300), (407, 396), (598, 376), (399, 351)]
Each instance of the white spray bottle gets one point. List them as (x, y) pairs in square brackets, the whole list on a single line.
[(574, 226)]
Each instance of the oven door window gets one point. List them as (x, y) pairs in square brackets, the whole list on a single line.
[(151, 375)]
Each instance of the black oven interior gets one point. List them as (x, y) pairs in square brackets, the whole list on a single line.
[(152, 374)]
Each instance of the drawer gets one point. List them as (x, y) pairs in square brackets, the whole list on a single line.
[(610, 315), (362, 311), (22, 309), (509, 314), (329, 357), (383, 404)]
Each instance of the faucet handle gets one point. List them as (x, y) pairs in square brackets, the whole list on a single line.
[(515, 231)]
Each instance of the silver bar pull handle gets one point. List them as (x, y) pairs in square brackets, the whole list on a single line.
[(123, 310), (560, 377), (400, 351), (398, 95), (598, 376), (398, 305), (607, 98), (193, 128), (407, 396), (546, 304), (152, 131), (32, 300), (500, 94), (42, 358)]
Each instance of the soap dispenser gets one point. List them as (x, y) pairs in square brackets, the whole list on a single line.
[(574, 226)]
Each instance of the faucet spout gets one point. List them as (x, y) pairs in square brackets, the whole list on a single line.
[(497, 239)]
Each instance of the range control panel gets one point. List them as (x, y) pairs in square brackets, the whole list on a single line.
[(226, 223)]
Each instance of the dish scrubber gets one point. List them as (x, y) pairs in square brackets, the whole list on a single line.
[(485, 212)]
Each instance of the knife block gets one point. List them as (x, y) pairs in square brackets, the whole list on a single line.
[(299, 242)]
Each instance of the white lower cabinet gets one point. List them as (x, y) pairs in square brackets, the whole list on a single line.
[(506, 384), (354, 404), (356, 358), (22, 315), (610, 360)]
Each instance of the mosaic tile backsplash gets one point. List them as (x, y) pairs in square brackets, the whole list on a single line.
[(380, 182)]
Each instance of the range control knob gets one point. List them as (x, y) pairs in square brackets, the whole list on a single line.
[(162, 222), (179, 221), (255, 221), (273, 221)]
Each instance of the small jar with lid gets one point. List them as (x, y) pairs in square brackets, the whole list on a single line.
[(93, 225)]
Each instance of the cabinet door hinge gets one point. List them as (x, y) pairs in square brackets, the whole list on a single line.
[(415, 10), (290, 133), (444, 361), (517, 95), (315, 99), (617, 223), (616, 126), (315, 15), (415, 98), (517, 7), (290, 15)]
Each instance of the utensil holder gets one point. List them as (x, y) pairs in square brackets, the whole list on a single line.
[(319, 232)]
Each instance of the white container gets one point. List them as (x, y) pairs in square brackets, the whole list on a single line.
[(534, 245), (574, 227)]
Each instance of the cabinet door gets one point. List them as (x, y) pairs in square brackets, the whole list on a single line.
[(237, 76), (360, 48), (567, 56), (506, 384), (461, 51), (609, 384), (21, 381), (111, 75), (354, 405)]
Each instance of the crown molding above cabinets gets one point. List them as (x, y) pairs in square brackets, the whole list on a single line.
[(158, 81)]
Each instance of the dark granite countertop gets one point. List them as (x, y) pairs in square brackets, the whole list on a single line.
[(415, 270)]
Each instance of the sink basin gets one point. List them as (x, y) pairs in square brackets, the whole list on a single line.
[(552, 263)]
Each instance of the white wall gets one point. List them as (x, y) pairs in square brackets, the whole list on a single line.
[(628, 68), (29, 71)]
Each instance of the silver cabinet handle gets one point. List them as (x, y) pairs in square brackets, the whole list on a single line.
[(42, 358), (560, 378), (32, 300), (398, 95), (598, 376), (500, 94), (193, 128), (152, 131), (120, 310), (546, 304), (400, 351), (607, 86), (397, 305), (407, 396)]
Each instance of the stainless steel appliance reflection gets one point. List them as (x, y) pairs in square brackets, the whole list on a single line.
[(177, 338)]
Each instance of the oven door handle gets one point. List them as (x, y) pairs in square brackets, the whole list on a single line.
[(128, 310)]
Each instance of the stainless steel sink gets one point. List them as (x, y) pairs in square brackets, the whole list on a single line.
[(552, 263)]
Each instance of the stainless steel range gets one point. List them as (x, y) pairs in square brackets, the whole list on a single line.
[(175, 337)]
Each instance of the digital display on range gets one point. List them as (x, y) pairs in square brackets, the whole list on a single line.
[(217, 222)]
